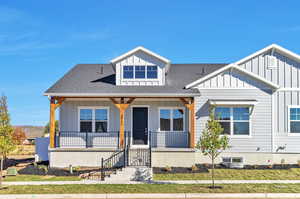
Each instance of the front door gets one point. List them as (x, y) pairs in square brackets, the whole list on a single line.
[(140, 126)]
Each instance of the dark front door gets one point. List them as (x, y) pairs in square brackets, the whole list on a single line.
[(140, 125)]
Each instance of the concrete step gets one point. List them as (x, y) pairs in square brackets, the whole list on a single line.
[(131, 174)]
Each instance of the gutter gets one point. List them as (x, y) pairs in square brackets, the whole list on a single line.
[(122, 94)]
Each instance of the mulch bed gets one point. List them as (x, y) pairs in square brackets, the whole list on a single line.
[(37, 170), (203, 168), (162, 170)]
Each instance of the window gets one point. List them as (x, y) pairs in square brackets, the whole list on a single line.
[(171, 119), (86, 121), (151, 72), (128, 72), (93, 119), (100, 120), (294, 119), (140, 72), (234, 120)]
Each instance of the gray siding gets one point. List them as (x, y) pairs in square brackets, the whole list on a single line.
[(286, 75), (261, 117), (282, 139)]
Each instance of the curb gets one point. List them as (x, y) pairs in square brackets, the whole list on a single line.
[(158, 196)]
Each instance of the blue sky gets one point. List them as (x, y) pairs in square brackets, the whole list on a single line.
[(42, 40)]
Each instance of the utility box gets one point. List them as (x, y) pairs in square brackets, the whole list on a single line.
[(41, 149)]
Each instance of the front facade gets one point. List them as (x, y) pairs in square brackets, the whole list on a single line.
[(156, 110)]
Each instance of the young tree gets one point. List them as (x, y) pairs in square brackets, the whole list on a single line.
[(47, 127), (19, 135), (7, 144), (212, 143)]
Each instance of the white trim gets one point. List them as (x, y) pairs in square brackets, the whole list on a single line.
[(131, 140), (272, 46), (289, 120), (273, 123), (93, 108), (139, 48), (171, 119), (289, 89), (232, 66), (122, 94), (231, 121)]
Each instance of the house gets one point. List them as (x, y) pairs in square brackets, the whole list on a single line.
[(155, 110)]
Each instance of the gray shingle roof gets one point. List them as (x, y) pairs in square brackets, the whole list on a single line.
[(100, 79)]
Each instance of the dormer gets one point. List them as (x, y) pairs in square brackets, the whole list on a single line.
[(140, 67)]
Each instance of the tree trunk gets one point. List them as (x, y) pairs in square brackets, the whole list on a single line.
[(213, 172), (1, 169)]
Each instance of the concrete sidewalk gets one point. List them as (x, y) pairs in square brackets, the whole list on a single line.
[(159, 196), (155, 182)]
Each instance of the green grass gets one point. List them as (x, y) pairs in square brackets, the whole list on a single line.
[(148, 188), (236, 174), (40, 178)]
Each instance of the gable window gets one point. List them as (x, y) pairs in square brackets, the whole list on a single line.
[(171, 119), (152, 72), (128, 72), (294, 119), (93, 119), (234, 120), (140, 72)]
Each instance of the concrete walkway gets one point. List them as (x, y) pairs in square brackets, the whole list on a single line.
[(155, 182), (158, 196)]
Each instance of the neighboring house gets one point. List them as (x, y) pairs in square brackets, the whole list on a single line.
[(156, 110)]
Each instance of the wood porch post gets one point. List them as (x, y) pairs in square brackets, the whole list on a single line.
[(54, 104), (191, 107), (122, 106)]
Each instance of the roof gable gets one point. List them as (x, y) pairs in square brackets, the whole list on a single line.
[(140, 48), (228, 67)]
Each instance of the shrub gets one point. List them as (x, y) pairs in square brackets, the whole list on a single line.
[(195, 168), (168, 169)]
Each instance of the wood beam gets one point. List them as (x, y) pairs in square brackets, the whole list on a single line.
[(122, 106), (190, 105), (55, 102)]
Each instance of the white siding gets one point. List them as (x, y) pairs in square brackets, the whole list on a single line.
[(140, 58), (261, 117)]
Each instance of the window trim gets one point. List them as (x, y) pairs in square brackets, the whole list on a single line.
[(231, 121), (171, 122), (289, 120), (139, 79), (93, 117)]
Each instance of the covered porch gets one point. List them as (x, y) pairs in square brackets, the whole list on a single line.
[(119, 122)]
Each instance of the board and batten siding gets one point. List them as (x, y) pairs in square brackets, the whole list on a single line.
[(261, 117), (286, 75), (231, 79), (140, 59)]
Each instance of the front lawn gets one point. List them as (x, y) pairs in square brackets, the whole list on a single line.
[(235, 174), (40, 178), (151, 188)]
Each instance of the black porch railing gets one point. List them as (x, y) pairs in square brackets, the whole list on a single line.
[(77, 139), (111, 139)]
